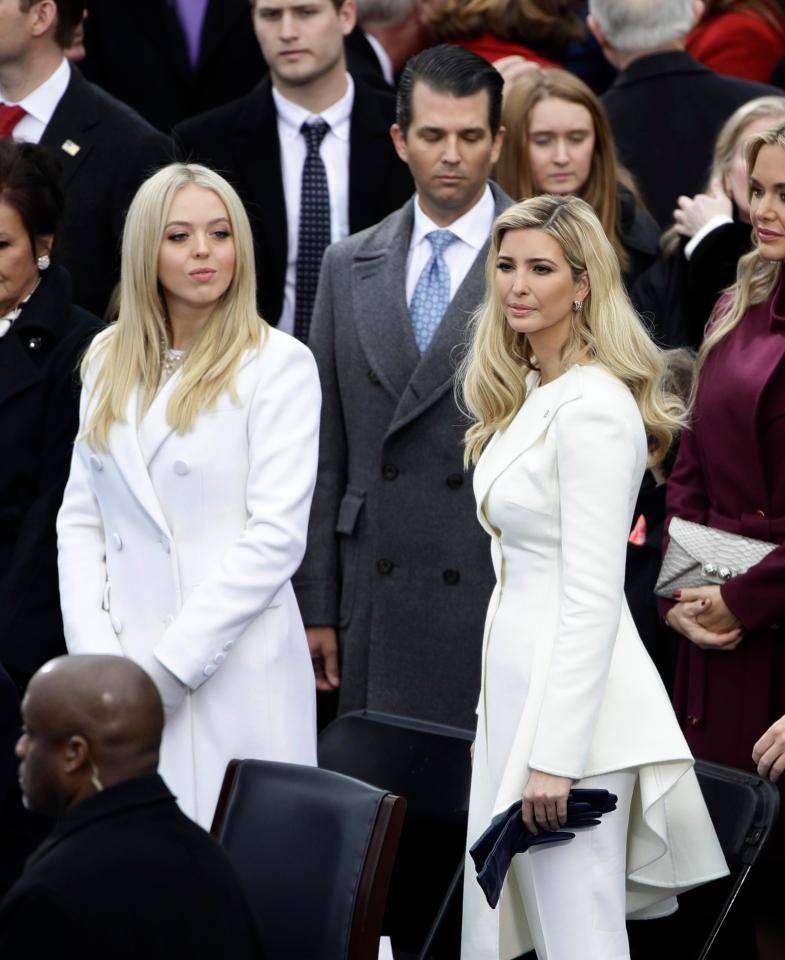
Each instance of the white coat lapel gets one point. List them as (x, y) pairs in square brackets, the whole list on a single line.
[(523, 430), (155, 427)]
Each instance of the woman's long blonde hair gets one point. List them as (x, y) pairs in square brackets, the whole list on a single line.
[(606, 330), (513, 170), (130, 354), (756, 278)]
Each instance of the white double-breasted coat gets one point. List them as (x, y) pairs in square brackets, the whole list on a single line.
[(568, 688), (180, 547)]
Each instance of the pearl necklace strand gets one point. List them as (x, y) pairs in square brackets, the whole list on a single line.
[(170, 359)]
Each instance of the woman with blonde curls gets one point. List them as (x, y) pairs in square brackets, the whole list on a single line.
[(186, 509), (559, 141), (564, 387)]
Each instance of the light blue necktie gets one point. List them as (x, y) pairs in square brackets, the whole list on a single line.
[(432, 294)]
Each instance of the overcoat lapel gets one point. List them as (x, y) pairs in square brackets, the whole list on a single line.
[(72, 131), (379, 302), (17, 369), (523, 430)]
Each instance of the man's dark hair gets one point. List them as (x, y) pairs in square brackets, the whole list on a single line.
[(450, 69), (69, 16)]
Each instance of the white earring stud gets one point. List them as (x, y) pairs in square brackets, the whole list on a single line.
[(43, 262), (576, 305)]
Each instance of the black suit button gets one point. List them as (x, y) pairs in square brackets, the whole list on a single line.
[(454, 481), (34, 343), (451, 577), (389, 471), (372, 377), (384, 566)]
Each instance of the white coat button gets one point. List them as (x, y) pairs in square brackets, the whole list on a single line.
[(181, 468), (95, 463), (164, 545), (219, 658), (117, 541), (117, 625), (229, 644), (209, 670)]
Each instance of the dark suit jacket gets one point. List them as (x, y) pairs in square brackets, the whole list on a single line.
[(136, 51), (240, 140), (39, 416), (665, 111), (125, 874), (117, 150)]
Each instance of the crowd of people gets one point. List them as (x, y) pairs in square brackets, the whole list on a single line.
[(358, 354)]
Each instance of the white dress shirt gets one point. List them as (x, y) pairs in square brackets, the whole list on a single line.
[(382, 56), (334, 151), (40, 105), (472, 230)]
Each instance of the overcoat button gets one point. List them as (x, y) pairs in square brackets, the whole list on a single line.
[(117, 625), (384, 566), (451, 577), (209, 670), (34, 343), (117, 541), (760, 513), (389, 471), (219, 658), (372, 377), (181, 468), (95, 463), (454, 481), (229, 644)]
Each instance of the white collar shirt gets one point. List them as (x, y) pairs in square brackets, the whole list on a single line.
[(472, 230), (383, 57), (334, 151), (40, 105)]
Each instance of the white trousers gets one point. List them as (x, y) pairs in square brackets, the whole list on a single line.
[(573, 893)]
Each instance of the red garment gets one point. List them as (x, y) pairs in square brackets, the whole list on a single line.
[(730, 474), (492, 48), (9, 117), (738, 45)]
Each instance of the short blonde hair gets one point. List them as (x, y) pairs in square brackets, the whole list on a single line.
[(131, 353), (607, 330)]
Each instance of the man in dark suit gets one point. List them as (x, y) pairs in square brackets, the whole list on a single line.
[(124, 873), (171, 59), (387, 34), (397, 567), (665, 108), (302, 193), (106, 150)]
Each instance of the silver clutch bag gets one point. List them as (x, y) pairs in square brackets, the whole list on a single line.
[(698, 556)]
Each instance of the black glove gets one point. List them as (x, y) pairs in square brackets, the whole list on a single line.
[(507, 835)]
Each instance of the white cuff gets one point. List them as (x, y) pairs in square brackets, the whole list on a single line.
[(720, 220)]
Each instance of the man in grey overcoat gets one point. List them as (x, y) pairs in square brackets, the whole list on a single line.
[(397, 574)]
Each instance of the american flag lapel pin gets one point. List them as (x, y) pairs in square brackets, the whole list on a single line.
[(71, 148)]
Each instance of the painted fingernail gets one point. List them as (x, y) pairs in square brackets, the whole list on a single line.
[(676, 594)]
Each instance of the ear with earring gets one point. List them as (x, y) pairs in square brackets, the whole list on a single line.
[(576, 305), (43, 262)]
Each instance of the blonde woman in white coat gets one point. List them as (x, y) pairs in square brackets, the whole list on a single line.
[(564, 388), (186, 509)]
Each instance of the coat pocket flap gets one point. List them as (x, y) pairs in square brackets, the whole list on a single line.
[(349, 511)]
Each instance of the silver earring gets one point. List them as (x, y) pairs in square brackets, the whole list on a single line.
[(576, 305), (43, 262)]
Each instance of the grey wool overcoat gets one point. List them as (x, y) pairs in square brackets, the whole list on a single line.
[(396, 559)]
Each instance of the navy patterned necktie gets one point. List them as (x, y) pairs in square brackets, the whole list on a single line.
[(313, 236)]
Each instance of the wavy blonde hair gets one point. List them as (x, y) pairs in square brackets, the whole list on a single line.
[(606, 330), (756, 278), (131, 351)]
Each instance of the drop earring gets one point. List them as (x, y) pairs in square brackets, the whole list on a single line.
[(43, 262)]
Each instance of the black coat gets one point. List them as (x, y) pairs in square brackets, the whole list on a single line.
[(639, 235), (125, 874), (39, 415), (136, 51), (240, 140), (106, 151), (665, 111)]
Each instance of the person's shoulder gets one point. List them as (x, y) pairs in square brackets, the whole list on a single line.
[(124, 119), (222, 118), (599, 396), (280, 353)]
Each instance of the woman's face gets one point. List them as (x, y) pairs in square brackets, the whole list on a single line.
[(767, 201), (561, 144), (536, 287), (196, 259), (736, 179), (18, 270)]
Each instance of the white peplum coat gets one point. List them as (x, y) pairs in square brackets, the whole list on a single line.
[(181, 547), (567, 686)]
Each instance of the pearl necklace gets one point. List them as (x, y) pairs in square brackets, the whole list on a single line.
[(170, 359)]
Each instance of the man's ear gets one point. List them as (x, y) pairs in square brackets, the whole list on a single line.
[(76, 754), (399, 142), (698, 9), (44, 17)]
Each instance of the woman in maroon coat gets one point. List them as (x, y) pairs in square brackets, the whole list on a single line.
[(730, 474)]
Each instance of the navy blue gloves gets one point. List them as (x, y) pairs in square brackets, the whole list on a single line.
[(508, 835)]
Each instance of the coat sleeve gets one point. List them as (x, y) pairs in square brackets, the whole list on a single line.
[(599, 460), (81, 557), (283, 436), (318, 581)]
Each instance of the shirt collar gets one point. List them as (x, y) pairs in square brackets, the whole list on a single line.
[(337, 115), (42, 102), (473, 227), (383, 57)]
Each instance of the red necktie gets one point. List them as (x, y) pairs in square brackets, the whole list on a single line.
[(9, 117)]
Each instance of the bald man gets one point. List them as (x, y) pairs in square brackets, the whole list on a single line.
[(124, 874)]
